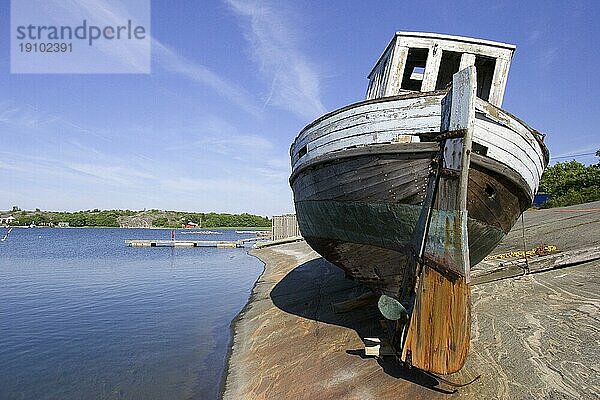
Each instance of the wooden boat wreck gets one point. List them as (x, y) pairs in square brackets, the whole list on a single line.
[(408, 188)]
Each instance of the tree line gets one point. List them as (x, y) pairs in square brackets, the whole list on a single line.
[(570, 183), (211, 220), (111, 218)]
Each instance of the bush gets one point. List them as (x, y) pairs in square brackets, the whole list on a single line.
[(571, 183), (161, 222)]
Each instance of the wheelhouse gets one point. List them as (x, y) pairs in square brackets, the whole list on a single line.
[(425, 62)]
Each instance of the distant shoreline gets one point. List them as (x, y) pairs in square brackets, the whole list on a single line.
[(127, 218)]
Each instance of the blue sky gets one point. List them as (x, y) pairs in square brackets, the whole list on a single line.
[(234, 81)]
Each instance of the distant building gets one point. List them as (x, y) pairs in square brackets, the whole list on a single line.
[(190, 225), (63, 224), (7, 219)]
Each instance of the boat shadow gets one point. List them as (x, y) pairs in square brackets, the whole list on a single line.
[(311, 289)]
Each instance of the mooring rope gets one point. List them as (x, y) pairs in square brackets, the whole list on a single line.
[(526, 269)]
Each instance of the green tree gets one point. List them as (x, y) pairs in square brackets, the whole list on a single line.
[(571, 183), (161, 222)]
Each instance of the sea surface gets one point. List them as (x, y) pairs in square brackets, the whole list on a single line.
[(83, 316)]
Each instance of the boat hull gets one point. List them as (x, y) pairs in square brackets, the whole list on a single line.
[(359, 205)]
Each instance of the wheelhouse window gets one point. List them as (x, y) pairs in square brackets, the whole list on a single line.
[(449, 65), (485, 67), (414, 69)]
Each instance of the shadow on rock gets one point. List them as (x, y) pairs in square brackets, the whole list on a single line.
[(311, 289)]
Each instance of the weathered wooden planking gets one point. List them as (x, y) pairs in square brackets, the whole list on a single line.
[(397, 63), (502, 141), (376, 129), (357, 237), (409, 150), (488, 193), (499, 80), (431, 68), (405, 107), (467, 60), (508, 269), (510, 149), (411, 100), (499, 171), (497, 131), (184, 243), (379, 81), (439, 331), (367, 115), (452, 192), (385, 278), (377, 181), (284, 226)]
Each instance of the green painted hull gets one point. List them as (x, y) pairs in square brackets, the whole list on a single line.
[(371, 242)]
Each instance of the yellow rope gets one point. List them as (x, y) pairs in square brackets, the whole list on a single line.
[(539, 250)]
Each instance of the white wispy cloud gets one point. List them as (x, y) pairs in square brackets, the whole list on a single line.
[(117, 174), (24, 115), (171, 61), (133, 54), (165, 57), (294, 81)]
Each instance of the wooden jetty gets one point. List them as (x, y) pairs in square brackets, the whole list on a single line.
[(188, 243)]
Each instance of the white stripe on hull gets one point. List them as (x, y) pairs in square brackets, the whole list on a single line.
[(508, 140)]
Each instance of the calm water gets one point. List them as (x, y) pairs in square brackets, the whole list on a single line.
[(82, 316)]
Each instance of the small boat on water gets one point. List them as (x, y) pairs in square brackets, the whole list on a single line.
[(407, 189)]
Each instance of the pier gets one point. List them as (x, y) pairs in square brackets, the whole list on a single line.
[(188, 243)]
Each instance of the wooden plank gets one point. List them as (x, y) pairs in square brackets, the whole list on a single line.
[(495, 271), (412, 149), (405, 102), (499, 81), (466, 60), (504, 170), (284, 226), (367, 112), (505, 118), (431, 68), (461, 45), (506, 127), (378, 347), (396, 125), (397, 70), (438, 335), (439, 331), (183, 243), (379, 181), (502, 137)]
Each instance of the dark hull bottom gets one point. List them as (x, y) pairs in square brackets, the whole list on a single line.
[(376, 254)]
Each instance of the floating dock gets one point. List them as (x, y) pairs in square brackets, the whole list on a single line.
[(186, 243)]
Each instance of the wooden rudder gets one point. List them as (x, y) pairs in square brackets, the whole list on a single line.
[(439, 331)]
